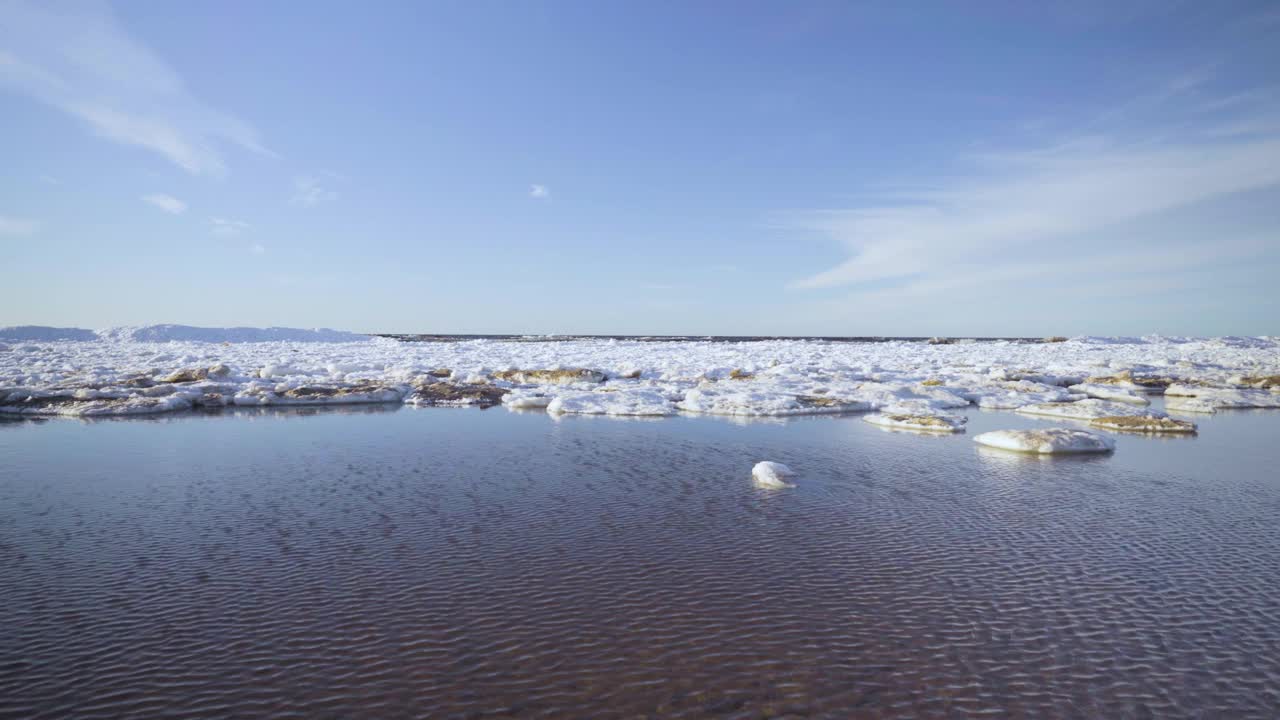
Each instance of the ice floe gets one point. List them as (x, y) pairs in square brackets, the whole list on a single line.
[(620, 402), (1220, 397), (768, 474), (1109, 392), (1089, 409), (1051, 441), (172, 367), (921, 422), (1144, 424)]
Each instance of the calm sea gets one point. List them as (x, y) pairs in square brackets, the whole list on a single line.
[(439, 563)]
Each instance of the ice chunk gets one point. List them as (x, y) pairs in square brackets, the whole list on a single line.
[(1144, 423), (624, 402), (551, 377), (275, 370), (1081, 409), (1227, 397), (526, 400), (90, 407), (1051, 441), (762, 401), (1182, 404), (445, 394), (768, 474), (936, 422), (1109, 392)]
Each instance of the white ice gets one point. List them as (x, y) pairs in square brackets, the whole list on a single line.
[(1081, 409), (621, 402), (128, 366), (1110, 392), (926, 422), (1046, 442), (768, 474)]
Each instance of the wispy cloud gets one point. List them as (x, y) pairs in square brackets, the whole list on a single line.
[(226, 227), (1016, 213), (17, 227), (257, 249), (50, 180), (167, 203), (539, 192), (77, 58), (311, 190)]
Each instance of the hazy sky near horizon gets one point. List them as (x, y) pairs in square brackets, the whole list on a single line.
[(989, 168)]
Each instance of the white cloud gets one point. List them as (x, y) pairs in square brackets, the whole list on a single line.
[(227, 227), (50, 180), (539, 192), (308, 191), (17, 227), (1024, 202), (167, 203), (257, 249), (77, 58)]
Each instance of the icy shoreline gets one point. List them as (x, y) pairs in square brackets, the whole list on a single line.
[(52, 371)]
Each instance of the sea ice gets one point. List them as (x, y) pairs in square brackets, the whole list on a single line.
[(1225, 397), (1109, 392), (1050, 441), (776, 377), (1144, 424), (936, 422), (620, 402), (1081, 409), (768, 474)]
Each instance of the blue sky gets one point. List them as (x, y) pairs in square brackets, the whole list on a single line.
[(773, 168)]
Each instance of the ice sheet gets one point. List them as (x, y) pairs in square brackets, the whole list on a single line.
[(129, 370)]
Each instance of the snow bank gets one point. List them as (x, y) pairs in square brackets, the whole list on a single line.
[(1053, 441)]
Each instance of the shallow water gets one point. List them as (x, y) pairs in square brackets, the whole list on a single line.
[(458, 563)]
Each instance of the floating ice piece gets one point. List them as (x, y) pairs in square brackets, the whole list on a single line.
[(1012, 395), (1227, 397), (937, 422), (1109, 392), (1046, 442), (324, 395), (551, 377), (622, 402), (1184, 404), (526, 400), (940, 397), (72, 406), (768, 474), (733, 401), (1081, 409), (445, 394), (1144, 424)]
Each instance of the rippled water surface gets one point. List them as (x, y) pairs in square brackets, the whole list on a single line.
[(466, 564)]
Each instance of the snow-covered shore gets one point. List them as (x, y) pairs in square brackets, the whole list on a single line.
[(59, 371)]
